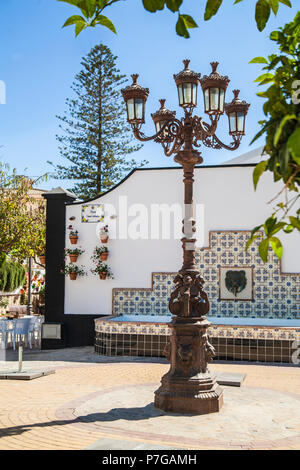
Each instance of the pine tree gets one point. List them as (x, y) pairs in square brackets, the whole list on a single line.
[(96, 138)]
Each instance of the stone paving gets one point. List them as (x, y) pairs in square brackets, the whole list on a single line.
[(94, 402)]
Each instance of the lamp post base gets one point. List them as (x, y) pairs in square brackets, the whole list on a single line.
[(188, 387), (199, 397)]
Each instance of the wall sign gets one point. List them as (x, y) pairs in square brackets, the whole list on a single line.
[(92, 213), (236, 283)]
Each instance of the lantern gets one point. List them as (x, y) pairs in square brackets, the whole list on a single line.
[(187, 86), (135, 98), (161, 117), (237, 111), (214, 87)]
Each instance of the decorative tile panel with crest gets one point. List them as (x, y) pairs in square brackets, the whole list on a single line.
[(275, 294)]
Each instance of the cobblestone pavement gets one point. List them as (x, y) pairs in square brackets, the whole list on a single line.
[(109, 400)]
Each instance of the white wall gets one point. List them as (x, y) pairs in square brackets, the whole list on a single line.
[(230, 203)]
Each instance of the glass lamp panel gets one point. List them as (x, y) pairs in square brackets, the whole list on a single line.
[(139, 104), (222, 99), (180, 95), (187, 91), (130, 109), (206, 100), (240, 122), (232, 122), (194, 94), (165, 132), (157, 126), (214, 99)]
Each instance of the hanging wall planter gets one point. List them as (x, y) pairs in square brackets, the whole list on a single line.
[(73, 254), (100, 253), (73, 271), (73, 237), (104, 234), (42, 260), (102, 270), (104, 256)]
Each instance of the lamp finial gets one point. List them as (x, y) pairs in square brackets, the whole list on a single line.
[(186, 63), (134, 77), (162, 103), (214, 66)]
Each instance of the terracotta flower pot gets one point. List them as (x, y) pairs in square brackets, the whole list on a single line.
[(73, 276), (104, 238), (73, 239), (73, 258), (104, 256), (102, 276), (43, 260)]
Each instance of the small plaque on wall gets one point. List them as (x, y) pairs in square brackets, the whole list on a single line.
[(92, 213), (51, 331), (236, 283)]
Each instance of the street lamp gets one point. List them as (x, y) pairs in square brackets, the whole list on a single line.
[(188, 387), (236, 112), (135, 97)]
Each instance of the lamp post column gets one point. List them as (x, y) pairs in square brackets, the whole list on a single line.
[(188, 387)]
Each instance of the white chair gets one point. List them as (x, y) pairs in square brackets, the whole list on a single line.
[(22, 327), (3, 332), (5, 329), (35, 329)]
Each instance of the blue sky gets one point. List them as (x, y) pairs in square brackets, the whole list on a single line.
[(39, 61)]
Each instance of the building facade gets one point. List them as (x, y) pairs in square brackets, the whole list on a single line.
[(255, 307)]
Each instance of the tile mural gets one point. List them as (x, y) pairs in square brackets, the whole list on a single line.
[(275, 294)]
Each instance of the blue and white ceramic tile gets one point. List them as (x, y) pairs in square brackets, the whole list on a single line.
[(275, 295)]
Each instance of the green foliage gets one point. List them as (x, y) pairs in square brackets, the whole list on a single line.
[(102, 268), (74, 251), (73, 268), (22, 219), (12, 276), (96, 138), (4, 302), (92, 13), (2, 259), (42, 295), (281, 127)]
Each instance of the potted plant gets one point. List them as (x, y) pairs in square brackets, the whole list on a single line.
[(73, 253), (104, 234), (40, 248), (42, 259), (103, 271), (73, 236), (73, 271), (3, 305), (100, 253)]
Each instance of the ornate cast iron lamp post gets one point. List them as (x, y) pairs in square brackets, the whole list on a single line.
[(188, 386)]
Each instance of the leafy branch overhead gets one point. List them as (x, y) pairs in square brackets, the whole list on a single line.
[(92, 13), (281, 127)]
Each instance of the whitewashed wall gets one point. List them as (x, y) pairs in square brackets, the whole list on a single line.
[(230, 203)]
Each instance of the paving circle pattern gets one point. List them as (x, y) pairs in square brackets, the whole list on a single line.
[(250, 417)]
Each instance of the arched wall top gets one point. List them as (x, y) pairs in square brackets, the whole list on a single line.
[(245, 165)]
